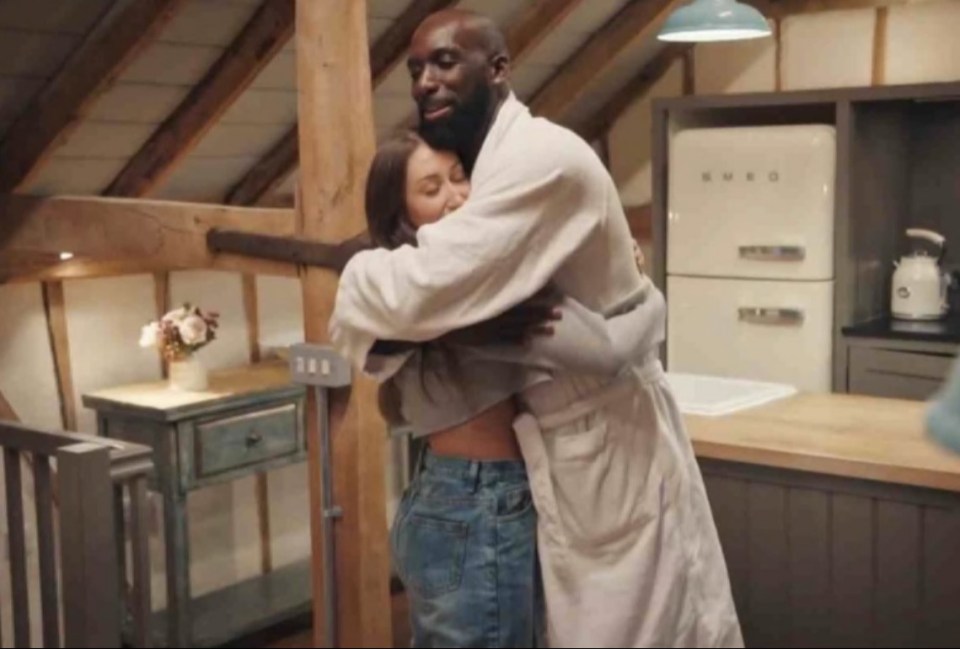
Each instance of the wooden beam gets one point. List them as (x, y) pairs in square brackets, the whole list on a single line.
[(879, 72), (778, 54), (336, 147), (690, 72), (124, 31), (162, 299), (263, 36), (6, 410), (112, 236), (642, 82), (296, 250), (634, 24), (269, 172), (535, 24), (251, 312), (781, 8), (56, 313)]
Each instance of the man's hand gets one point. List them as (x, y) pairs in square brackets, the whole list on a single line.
[(514, 327)]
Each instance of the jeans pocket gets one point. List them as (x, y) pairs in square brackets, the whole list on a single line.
[(432, 551), (515, 503)]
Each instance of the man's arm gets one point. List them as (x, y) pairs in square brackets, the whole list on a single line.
[(499, 249)]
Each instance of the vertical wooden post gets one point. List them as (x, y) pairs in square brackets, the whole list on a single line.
[(56, 311), (89, 561), (778, 54), (161, 295), (879, 73), (6, 410), (336, 146), (689, 72), (262, 486)]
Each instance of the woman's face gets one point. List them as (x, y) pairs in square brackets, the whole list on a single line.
[(436, 185)]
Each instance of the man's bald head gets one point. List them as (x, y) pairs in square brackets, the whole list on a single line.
[(459, 68), (472, 30)]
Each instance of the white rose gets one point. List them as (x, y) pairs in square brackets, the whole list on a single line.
[(193, 330), (177, 315), (149, 335)]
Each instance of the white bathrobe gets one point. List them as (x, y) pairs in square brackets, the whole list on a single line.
[(629, 549)]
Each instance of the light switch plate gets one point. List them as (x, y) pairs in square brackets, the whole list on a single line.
[(319, 365)]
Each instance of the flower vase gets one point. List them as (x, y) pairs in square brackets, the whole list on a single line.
[(188, 374)]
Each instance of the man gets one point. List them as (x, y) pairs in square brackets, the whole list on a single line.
[(629, 550)]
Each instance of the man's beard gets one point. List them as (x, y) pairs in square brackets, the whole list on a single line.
[(461, 129)]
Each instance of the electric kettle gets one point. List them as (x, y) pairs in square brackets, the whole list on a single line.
[(919, 288)]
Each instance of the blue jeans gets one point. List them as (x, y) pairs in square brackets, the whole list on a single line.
[(464, 545)]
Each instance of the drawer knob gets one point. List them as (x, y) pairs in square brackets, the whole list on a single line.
[(253, 439)]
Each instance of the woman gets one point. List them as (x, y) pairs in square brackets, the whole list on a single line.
[(464, 540)]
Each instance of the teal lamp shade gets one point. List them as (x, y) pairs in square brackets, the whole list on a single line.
[(943, 415), (705, 21)]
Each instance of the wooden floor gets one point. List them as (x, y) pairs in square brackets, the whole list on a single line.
[(298, 633)]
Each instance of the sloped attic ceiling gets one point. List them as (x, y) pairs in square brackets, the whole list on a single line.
[(38, 36)]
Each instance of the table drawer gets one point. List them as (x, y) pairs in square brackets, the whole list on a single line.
[(246, 438)]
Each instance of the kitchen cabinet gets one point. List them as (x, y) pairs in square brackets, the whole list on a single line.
[(897, 161)]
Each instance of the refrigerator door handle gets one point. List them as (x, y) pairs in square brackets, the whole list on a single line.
[(773, 253), (771, 316)]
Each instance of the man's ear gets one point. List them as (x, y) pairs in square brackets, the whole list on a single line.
[(500, 68)]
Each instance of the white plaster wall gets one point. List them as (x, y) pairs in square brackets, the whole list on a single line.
[(818, 50), (828, 50), (27, 378), (743, 66), (104, 317), (923, 43)]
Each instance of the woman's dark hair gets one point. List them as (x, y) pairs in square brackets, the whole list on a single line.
[(386, 193), (390, 227)]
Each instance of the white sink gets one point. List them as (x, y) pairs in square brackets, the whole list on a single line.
[(714, 396)]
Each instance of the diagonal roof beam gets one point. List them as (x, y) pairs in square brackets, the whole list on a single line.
[(120, 35), (639, 85), (632, 25), (265, 34)]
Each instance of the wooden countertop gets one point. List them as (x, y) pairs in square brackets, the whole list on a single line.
[(836, 434)]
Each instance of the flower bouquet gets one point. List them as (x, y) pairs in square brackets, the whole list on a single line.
[(178, 335)]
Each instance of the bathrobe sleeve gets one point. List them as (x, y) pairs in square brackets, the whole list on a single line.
[(522, 222)]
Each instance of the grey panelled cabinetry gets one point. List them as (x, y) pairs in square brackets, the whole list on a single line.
[(817, 560), (898, 158), (839, 520), (250, 420), (899, 374), (899, 359)]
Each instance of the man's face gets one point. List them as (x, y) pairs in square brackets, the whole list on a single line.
[(452, 84)]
